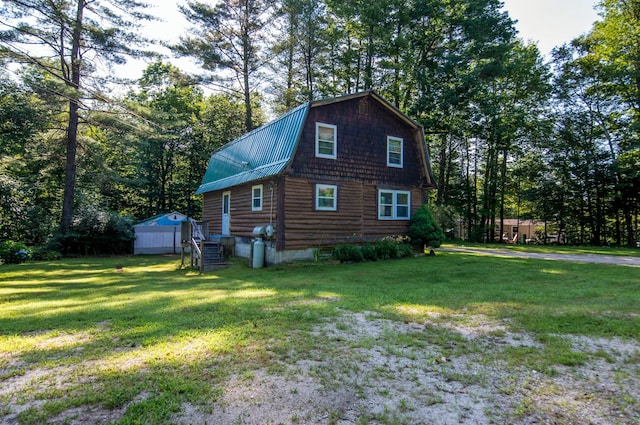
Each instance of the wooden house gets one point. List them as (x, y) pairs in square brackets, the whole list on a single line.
[(347, 169)]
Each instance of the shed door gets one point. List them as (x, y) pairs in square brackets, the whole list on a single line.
[(226, 202)]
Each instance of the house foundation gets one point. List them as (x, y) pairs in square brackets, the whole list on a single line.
[(272, 256)]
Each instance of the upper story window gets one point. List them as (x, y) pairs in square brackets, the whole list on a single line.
[(394, 205), (256, 198), (326, 141), (326, 197), (394, 151)]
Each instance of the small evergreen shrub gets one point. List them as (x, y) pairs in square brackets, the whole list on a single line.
[(13, 252), (424, 229)]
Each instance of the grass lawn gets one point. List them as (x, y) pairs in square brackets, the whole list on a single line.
[(85, 337)]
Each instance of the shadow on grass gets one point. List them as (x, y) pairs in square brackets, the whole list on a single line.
[(141, 333)]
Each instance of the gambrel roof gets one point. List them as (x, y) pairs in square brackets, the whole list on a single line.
[(267, 150)]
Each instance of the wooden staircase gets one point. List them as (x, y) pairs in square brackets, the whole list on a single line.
[(212, 253), (206, 254)]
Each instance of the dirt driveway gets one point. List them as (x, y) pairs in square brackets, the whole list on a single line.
[(577, 258)]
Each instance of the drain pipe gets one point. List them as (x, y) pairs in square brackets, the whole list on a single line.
[(271, 205)]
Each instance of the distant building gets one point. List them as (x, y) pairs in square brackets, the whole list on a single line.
[(159, 234)]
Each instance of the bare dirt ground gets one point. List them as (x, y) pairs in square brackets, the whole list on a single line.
[(375, 371)]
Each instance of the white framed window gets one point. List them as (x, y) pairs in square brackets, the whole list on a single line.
[(326, 141), (395, 146), (256, 198), (394, 205), (326, 197)]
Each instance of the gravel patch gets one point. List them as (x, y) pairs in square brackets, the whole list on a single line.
[(369, 370)]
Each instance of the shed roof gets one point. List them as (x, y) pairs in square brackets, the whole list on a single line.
[(267, 150), (167, 219)]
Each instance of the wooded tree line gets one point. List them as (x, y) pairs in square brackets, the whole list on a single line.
[(511, 134)]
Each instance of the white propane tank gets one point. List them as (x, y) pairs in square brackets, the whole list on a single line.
[(258, 254)]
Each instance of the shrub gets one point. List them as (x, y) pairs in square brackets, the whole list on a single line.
[(13, 252), (45, 253), (347, 253), (405, 250), (424, 229), (386, 249), (369, 252), (96, 232)]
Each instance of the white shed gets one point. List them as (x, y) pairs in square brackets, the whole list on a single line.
[(159, 234)]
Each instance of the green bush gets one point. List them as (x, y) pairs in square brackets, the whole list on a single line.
[(347, 253), (405, 250), (45, 253), (96, 232), (425, 230), (13, 252), (385, 249), (369, 252)]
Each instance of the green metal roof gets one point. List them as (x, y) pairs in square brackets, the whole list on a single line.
[(263, 152), (267, 150)]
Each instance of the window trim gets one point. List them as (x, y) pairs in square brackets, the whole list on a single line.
[(395, 139), (317, 197), (394, 205), (254, 198), (335, 141)]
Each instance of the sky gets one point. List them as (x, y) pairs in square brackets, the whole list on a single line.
[(550, 23)]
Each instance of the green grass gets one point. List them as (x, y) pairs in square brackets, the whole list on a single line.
[(153, 336)]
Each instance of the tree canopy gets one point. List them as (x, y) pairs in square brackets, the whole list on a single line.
[(512, 134)]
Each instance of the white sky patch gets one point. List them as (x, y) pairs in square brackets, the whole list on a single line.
[(551, 23)]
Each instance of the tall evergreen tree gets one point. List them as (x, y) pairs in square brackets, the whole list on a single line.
[(81, 35), (231, 36)]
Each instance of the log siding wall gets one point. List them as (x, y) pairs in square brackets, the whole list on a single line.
[(356, 219), (242, 219)]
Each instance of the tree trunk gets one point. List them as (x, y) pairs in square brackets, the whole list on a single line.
[(503, 187), (246, 45), (72, 127), (442, 162), (368, 69)]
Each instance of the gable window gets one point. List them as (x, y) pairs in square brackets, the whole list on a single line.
[(256, 198), (394, 205), (326, 141), (326, 197), (394, 152)]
